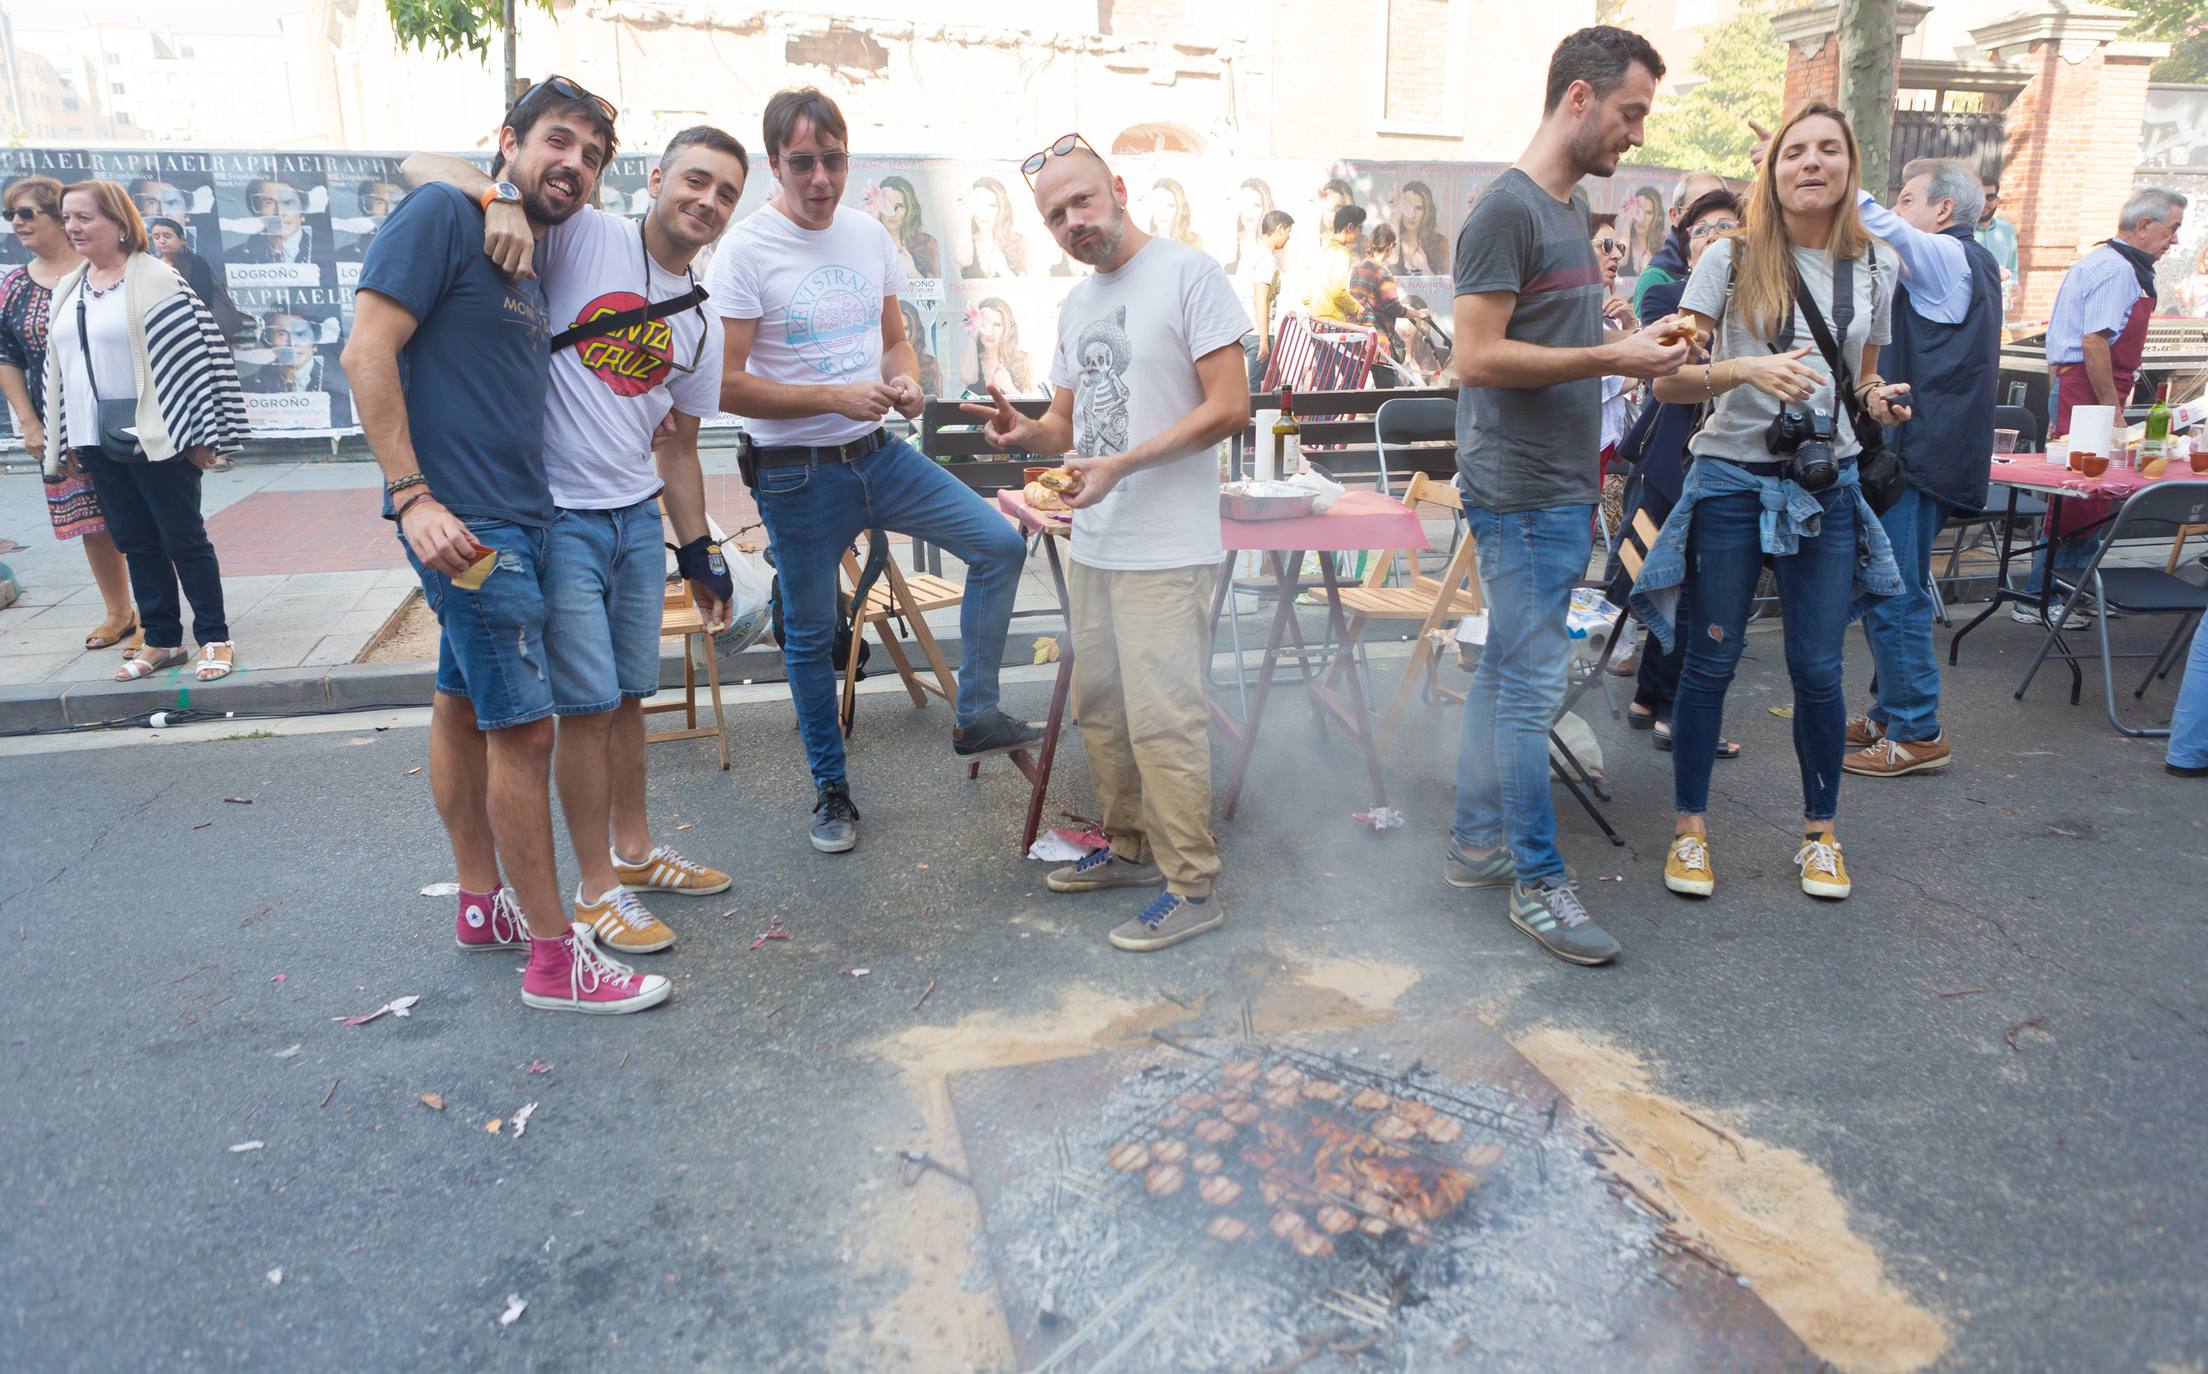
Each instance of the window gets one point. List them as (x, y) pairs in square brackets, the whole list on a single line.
[(69, 103), (1421, 65), (116, 87)]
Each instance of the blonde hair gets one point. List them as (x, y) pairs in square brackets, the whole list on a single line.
[(113, 203), (42, 192), (1763, 257)]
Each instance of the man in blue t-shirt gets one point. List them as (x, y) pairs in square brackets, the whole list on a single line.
[(449, 369)]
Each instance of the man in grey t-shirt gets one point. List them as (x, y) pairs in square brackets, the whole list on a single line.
[(1531, 355)]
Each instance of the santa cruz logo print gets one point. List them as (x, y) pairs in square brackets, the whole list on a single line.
[(831, 319), (631, 361)]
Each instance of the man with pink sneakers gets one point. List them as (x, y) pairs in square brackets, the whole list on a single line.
[(447, 347)]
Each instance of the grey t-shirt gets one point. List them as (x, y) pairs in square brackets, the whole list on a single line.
[(1736, 426), (1532, 447)]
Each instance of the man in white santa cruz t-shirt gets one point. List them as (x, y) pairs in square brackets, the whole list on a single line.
[(816, 356), (1149, 377), (633, 343)]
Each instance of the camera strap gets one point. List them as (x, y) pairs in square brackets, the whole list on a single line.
[(629, 319), (1843, 310)]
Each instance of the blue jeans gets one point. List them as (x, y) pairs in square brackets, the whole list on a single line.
[(490, 648), (605, 583), (1529, 562), (1816, 587), (814, 511), (2189, 725), (1906, 693)]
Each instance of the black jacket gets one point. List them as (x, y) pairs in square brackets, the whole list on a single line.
[(1954, 376)]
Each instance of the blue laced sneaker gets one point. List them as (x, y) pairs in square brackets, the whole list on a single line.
[(1102, 869), (1169, 920), (1550, 911)]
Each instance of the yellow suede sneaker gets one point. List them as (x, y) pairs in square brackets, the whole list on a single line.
[(1687, 868), (620, 923), (1823, 874), (663, 870)]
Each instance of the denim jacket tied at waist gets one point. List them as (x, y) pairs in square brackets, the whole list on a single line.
[(1790, 515)]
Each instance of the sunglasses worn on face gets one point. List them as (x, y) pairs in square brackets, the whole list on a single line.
[(23, 212), (804, 163), (1065, 144), (1609, 246), (1712, 226)]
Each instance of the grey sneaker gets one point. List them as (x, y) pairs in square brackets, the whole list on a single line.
[(835, 819), (1102, 869), (1550, 911), (1496, 870), (1169, 920)]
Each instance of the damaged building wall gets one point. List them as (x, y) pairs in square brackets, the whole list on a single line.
[(1409, 79)]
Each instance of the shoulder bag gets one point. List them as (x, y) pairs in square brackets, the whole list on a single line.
[(118, 420), (1878, 468)]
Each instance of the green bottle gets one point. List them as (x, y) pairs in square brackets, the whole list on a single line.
[(2156, 444)]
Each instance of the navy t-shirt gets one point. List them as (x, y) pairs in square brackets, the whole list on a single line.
[(476, 370)]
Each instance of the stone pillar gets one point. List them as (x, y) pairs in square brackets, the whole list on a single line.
[(1811, 35), (2072, 138)]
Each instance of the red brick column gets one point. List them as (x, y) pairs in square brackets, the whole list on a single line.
[(2072, 144)]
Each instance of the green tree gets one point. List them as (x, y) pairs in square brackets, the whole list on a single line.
[(2183, 24), (451, 27), (1740, 74)]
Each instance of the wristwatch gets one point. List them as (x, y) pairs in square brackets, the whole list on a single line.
[(502, 193)]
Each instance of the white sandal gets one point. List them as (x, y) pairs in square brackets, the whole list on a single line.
[(150, 660), (216, 661)]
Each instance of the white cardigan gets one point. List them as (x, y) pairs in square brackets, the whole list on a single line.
[(187, 382)]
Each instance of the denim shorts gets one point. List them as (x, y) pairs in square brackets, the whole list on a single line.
[(605, 581), (491, 650)]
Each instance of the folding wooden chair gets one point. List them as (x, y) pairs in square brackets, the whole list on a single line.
[(894, 596), (680, 617), (1431, 602)]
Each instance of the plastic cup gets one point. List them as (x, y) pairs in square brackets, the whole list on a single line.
[(2093, 465), (2004, 440)]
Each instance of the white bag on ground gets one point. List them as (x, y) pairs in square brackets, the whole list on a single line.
[(1580, 739)]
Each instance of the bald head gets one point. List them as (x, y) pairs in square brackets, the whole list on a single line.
[(1085, 208)]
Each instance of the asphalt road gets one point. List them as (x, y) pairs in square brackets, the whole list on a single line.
[(713, 1184)]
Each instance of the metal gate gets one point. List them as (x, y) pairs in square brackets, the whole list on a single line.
[(1975, 138)]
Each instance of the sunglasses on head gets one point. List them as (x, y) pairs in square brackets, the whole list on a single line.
[(567, 90), (1065, 144), (804, 163)]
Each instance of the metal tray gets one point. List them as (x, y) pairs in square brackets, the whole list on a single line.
[(1240, 505)]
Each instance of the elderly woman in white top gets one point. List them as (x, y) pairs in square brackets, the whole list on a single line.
[(142, 390)]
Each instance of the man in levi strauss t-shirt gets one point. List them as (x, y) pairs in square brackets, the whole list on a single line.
[(1148, 377), (815, 357), (615, 377)]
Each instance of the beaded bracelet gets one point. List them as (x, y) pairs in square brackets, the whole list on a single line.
[(399, 484)]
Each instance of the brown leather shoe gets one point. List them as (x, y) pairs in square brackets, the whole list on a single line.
[(1891, 758), (1863, 732)]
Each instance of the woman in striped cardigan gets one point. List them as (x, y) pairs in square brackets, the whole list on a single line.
[(126, 328)]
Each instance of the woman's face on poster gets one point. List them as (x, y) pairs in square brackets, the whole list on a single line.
[(984, 205), (1250, 207), (989, 326), (1410, 211), (892, 210), (1162, 208)]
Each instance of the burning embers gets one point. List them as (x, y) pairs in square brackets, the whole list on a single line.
[(1298, 1155)]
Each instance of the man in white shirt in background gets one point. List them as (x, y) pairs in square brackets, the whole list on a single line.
[(605, 556), (815, 356), (1148, 377)]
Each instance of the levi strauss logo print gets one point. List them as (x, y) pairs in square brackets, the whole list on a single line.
[(631, 361), (831, 315)]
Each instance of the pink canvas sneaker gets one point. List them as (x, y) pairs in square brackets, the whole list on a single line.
[(569, 974), (491, 922)]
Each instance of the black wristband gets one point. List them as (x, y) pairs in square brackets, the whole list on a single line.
[(409, 503), (700, 561), (399, 484)]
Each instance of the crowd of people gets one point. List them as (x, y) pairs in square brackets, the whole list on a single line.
[(1818, 375)]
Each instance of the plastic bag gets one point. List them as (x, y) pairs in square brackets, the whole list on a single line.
[(747, 604)]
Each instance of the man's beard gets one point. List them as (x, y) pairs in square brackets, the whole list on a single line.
[(538, 212), (1592, 154), (1105, 245)]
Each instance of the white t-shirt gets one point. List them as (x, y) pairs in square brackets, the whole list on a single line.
[(817, 295), (1127, 348), (609, 393), (107, 324)]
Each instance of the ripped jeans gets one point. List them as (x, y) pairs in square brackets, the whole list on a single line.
[(490, 649), (1816, 588)]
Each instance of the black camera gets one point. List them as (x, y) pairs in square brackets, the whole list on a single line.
[(1807, 436)]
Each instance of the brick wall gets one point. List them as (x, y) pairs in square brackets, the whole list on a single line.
[(1812, 76), (2072, 143)]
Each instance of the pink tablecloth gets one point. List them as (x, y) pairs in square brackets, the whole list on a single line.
[(2035, 473), (1360, 520)]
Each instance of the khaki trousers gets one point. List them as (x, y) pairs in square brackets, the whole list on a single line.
[(1139, 642)]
